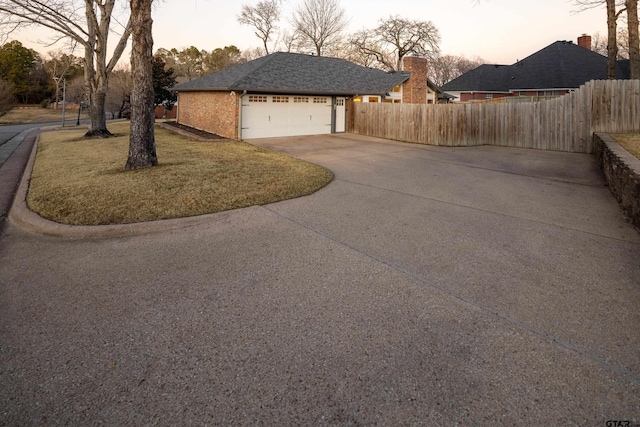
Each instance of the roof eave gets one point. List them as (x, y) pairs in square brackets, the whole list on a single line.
[(285, 91)]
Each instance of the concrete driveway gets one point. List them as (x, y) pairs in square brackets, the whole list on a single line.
[(425, 285)]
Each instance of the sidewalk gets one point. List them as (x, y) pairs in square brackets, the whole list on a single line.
[(14, 155)]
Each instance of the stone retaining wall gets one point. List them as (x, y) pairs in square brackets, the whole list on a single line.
[(622, 172)]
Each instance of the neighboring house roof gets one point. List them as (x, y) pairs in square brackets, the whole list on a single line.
[(294, 73), (438, 91), (561, 65)]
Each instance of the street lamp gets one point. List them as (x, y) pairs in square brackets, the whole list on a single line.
[(80, 105)]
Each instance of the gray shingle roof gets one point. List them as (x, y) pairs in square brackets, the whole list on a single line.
[(294, 73), (561, 65)]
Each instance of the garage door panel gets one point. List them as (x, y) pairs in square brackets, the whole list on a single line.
[(266, 116)]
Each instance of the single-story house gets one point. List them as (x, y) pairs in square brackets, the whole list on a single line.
[(555, 70), (287, 94)]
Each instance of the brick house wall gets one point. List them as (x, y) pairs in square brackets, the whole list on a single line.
[(169, 114), (467, 96), (215, 112), (414, 90)]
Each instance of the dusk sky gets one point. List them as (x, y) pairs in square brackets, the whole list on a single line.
[(499, 31)]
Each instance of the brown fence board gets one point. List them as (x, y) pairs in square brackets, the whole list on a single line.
[(565, 123)]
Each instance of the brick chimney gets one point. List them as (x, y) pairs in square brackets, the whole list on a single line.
[(415, 89), (585, 41)]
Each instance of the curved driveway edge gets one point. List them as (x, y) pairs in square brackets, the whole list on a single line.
[(26, 219), (425, 286)]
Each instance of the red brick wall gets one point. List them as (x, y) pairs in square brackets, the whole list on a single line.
[(584, 41), (215, 112), (414, 90), (169, 114), (481, 96)]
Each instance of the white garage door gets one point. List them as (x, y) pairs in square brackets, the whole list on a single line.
[(265, 116)]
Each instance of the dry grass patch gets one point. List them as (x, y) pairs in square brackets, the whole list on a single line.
[(83, 182), (630, 142), (22, 115)]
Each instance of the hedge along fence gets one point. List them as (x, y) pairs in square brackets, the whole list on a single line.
[(566, 123)]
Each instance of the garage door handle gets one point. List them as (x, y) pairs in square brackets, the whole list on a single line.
[(309, 117), (269, 118)]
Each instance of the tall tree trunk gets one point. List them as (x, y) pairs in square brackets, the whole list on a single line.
[(142, 146), (97, 115), (634, 38), (612, 39), (96, 82)]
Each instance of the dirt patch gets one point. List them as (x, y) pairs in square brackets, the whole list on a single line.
[(197, 132)]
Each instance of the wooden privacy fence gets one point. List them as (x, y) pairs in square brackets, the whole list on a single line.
[(566, 123)]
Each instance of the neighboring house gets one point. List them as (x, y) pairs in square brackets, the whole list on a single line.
[(161, 112), (287, 94), (434, 95), (555, 70)]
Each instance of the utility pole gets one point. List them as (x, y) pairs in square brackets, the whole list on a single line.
[(64, 97)]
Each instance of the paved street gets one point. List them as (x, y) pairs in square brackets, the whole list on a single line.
[(424, 285)]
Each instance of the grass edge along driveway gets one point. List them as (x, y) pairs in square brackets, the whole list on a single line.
[(83, 182)]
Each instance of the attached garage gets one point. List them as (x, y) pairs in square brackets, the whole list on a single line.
[(282, 94), (265, 116)]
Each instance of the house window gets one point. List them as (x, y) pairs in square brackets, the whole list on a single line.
[(540, 93), (257, 98), (396, 88), (488, 96), (280, 99), (396, 101), (319, 100), (300, 99), (373, 99), (357, 99)]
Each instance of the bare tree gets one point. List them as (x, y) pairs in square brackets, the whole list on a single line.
[(634, 38), (614, 10), (251, 54), (444, 68), (289, 41), (599, 44), (368, 50), (119, 94), (396, 37), (319, 23), (85, 22), (142, 145), (409, 36), (263, 17), (61, 66)]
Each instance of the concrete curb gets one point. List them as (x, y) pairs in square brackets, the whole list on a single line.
[(21, 216)]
